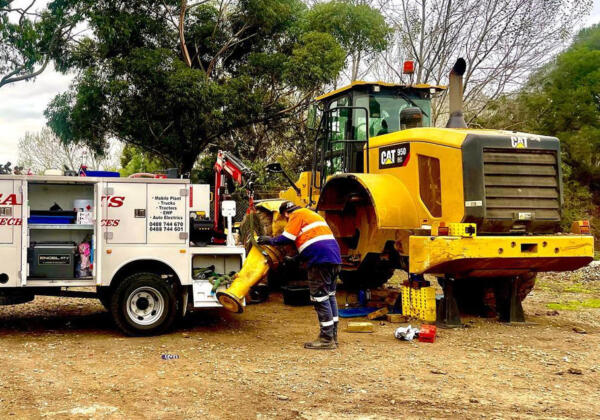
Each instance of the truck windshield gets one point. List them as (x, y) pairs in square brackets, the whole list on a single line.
[(384, 110)]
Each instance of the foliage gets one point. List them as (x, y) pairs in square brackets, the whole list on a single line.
[(563, 99), (360, 29), (253, 64), (43, 150), (133, 161), (31, 37), (502, 41)]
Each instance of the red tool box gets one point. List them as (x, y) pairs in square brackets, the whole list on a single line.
[(427, 333)]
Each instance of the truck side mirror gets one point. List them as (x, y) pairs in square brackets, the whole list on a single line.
[(274, 168)]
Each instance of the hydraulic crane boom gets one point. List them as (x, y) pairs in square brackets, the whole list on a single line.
[(230, 165)]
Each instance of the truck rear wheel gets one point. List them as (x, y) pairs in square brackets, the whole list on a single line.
[(143, 304)]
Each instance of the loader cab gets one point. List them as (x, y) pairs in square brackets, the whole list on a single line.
[(361, 110)]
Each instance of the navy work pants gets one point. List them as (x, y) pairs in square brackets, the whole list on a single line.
[(322, 280)]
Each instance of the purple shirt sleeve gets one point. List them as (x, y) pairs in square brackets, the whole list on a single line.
[(281, 240)]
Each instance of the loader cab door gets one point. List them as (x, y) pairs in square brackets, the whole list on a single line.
[(339, 150)]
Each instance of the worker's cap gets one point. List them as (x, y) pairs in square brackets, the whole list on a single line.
[(287, 206)]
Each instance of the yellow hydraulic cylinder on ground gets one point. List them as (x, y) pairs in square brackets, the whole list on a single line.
[(257, 265)]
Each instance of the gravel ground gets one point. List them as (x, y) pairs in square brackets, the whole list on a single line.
[(62, 358)]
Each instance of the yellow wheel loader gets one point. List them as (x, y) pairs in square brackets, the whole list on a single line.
[(480, 209)]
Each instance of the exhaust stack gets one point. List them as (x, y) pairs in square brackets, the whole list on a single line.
[(455, 92)]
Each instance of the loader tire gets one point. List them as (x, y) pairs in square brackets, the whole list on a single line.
[(525, 285), (265, 220), (281, 276), (479, 296), (143, 304)]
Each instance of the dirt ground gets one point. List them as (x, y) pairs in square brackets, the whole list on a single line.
[(62, 358)]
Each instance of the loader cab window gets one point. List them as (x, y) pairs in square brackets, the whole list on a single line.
[(384, 112), (338, 128)]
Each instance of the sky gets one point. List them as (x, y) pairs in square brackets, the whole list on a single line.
[(22, 104)]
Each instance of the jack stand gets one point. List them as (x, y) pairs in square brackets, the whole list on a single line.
[(448, 315), (509, 307)]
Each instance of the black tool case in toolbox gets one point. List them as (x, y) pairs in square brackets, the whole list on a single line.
[(52, 260)]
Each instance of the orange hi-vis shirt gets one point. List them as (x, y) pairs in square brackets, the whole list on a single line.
[(312, 236)]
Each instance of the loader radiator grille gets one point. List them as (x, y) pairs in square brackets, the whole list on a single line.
[(521, 181)]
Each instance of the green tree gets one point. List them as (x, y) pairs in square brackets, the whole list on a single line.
[(564, 100), (250, 63), (31, 36), (359, 28), (133, 161)]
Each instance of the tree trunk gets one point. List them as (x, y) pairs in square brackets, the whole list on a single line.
[(187, 162)]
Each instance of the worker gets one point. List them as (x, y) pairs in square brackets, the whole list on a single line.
[(320, 251)]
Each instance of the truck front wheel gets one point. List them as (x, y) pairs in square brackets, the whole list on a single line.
[(143, 304)]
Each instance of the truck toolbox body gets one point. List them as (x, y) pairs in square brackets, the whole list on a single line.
[(133, 242)]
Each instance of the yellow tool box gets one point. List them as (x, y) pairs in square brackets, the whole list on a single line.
[(419, 303)]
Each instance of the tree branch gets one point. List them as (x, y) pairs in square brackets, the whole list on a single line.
[(184, 49)]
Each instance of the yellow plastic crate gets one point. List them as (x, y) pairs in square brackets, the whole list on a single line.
[(419, 303)]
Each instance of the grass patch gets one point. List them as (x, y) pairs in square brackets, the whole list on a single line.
[(573, 283), (577, 288), (575, 305)]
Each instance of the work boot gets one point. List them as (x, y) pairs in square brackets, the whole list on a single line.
[(321, 343)]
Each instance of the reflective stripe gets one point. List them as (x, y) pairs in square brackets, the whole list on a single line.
[(312, 226), (319, 298), (327, 323), (336, 319), (288, 235), (331, 293), (313, 240)]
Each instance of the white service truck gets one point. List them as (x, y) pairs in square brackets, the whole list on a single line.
[(127, 239)]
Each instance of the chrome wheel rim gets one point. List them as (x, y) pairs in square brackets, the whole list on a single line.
[(145, 305)]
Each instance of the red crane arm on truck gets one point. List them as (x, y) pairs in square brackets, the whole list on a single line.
[(232, 166)]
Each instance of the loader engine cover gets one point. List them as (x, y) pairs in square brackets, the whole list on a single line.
[(512, 183)]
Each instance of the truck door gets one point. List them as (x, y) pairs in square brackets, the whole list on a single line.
[(126, 205), (167, 215), (11, 224)]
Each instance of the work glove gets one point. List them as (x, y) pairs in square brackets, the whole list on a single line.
[(264, 240)]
